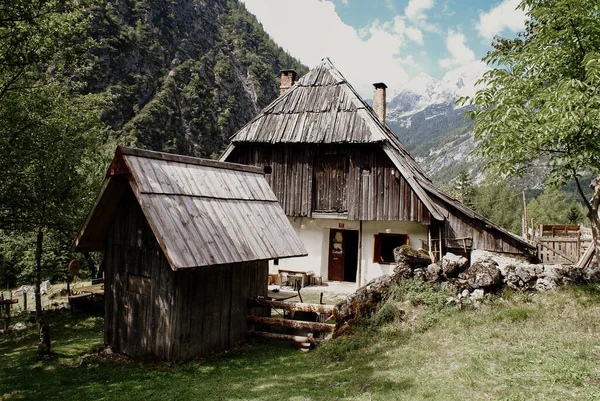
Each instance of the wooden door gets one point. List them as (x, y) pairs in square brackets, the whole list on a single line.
[(337, 245)]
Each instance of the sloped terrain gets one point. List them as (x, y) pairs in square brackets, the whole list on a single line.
[(183, 75)]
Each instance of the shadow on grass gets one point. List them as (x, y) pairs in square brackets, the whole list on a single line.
[(264, 371), (592, 290)]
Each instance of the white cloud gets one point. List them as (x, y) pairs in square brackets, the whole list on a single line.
[(415, 10), (503, 16), (414, 34), (315, 30), (390, 5), (460, 54), (409, 61)]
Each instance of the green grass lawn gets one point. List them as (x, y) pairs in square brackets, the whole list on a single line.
[(538, 347)]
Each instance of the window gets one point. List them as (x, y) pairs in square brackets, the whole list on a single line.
[(268, 170), (384, 245)]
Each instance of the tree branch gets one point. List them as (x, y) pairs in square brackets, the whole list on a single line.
[(587, 203)]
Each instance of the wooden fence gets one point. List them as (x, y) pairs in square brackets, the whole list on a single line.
[(559, 250)]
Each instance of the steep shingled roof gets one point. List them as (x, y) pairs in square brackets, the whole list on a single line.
[(202, 212), (321, 107)]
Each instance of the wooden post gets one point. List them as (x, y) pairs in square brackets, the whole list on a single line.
[(441, 242), (7, 317), (360, 253), (25, 301), (525, 216)]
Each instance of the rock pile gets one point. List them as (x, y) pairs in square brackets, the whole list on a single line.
[(472, 282)]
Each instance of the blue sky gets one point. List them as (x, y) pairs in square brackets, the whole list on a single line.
[(388, 40)]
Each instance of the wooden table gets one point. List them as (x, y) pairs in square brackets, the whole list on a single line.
[(302, 275)]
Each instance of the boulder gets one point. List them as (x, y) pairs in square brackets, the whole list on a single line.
[(403, 270), (483, 274), (522, 276), (545, 284), (362, 303), (453, 265), (405, 254), (419, 274), (433, 272)]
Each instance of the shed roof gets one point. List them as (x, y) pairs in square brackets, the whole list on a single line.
[(202, 212)]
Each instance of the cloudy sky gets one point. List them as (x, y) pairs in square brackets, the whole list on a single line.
[(388, 40)]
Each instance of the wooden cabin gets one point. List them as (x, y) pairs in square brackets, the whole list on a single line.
[(186, 242), (350, 189)]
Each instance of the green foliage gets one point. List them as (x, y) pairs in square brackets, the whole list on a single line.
[(78, 76), (554, 206), (575, 215), (342, 348), (49, 137), (183, 75), (541, 99), (49, 150), (37, 35), (495, 199), (418, 292), (463, 188)]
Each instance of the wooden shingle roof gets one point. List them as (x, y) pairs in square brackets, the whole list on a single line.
[(202, 212), (322, 107)]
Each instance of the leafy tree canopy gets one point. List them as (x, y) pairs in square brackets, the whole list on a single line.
[(542, 102)]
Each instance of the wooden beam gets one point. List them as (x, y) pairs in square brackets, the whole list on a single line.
[(288, 337), (294, 324), (292, 306)]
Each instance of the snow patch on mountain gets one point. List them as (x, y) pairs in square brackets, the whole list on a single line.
[(423, 91)]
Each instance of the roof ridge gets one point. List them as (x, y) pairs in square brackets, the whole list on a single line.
[(151, 154)]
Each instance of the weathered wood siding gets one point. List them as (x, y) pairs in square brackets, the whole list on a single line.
[(485, 237), (155, 312), (373, 190)]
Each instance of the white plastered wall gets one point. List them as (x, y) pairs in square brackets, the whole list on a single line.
[(314, 233)]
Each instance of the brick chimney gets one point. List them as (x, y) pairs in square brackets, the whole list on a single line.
[(288, 78), (379, 100)]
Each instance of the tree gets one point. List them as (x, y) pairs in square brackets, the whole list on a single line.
[(49, 152), (38, 34), (495, 199), (463, 188), (554, 206), (541, 101), (48, 134), (574, 214)]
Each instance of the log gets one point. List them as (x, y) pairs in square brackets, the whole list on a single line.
[(288, 337), (292, 306), (80, 296), (294, 324)]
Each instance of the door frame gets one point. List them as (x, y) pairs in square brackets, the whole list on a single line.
[(330, 243)]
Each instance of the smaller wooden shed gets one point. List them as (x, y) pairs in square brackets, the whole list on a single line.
[(186, 242)]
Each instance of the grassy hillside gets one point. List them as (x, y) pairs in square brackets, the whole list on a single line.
[(523, 347)]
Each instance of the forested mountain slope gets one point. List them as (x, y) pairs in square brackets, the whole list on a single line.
[(181, 75)]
